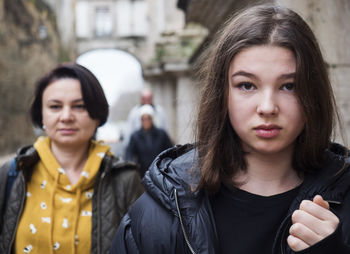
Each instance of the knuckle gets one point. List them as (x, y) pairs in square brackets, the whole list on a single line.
[(296, 215), (291, 241), (328, 231), (336, 221), (330, 227), (305, 204), (292, 230), (294, 243), (295, 228)]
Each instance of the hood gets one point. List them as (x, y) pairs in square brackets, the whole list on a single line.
[(175, 168), (331, 181), (170, 181)]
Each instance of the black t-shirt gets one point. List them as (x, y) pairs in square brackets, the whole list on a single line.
[(248, 223)]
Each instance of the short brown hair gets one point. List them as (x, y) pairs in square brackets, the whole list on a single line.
[(219, 147), (93, 95)]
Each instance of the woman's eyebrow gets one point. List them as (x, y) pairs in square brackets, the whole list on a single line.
[(243, 73), (251, 75), (74, 101), (287, 76)]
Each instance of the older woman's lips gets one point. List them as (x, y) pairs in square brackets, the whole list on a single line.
[(67, 131), (267, 131)]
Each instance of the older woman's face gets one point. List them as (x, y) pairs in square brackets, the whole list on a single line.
[(65, 118), (146, 122)]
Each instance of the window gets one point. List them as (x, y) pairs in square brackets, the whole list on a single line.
[(103, 21), (132, 18)]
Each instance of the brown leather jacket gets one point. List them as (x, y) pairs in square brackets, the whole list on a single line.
[(117, 186)]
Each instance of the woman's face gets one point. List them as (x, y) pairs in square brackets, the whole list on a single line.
[(263, 107), (66, 120), (146, 122)]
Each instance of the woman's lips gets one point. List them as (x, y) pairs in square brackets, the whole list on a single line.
[(67, 131), (267, 131)]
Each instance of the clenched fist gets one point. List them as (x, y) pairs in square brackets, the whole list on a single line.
[(311, 223)]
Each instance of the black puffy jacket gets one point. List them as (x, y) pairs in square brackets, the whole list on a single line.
[(170, 218), (117, 186)]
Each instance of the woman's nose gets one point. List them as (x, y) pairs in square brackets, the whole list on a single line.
[(267, 104), (66, 114)]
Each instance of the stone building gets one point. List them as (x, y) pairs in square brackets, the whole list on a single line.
[(140, 28), (29, 46), (36, 35), (166, 40)]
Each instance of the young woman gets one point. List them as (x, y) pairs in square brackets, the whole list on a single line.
[(71, 192), (263, 176)]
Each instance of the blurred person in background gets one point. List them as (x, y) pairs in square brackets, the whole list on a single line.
[(70, 192), (147, 142), (134, 121)]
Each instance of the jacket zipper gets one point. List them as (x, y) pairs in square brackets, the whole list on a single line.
[(18, 216), (334, 202), (182, 225)]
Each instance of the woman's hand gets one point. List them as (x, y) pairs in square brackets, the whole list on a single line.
[(311, 223)]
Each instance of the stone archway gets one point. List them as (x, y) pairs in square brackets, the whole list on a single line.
[(120, 75)]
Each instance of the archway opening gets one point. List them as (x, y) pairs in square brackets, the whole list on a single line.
[(120, 75)]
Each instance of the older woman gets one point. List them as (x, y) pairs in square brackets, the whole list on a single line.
[(71, 192), (147, 142)]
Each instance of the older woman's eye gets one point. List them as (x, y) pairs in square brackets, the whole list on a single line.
[(288, 87), (79, 106), (55, 106), (246, 86)]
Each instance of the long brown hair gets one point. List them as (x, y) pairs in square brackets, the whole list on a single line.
[(219, 148)]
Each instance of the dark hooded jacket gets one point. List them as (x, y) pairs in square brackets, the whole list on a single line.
[(170, 218), (117, 186), (144, 146)]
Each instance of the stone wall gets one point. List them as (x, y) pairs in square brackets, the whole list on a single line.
[(29, 47), (330, 22)]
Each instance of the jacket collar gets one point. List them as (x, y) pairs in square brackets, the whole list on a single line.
[(27, 156)]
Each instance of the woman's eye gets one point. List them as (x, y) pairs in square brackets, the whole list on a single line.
[(54, 106), (288, 87), (246, 86), (79, 106)]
